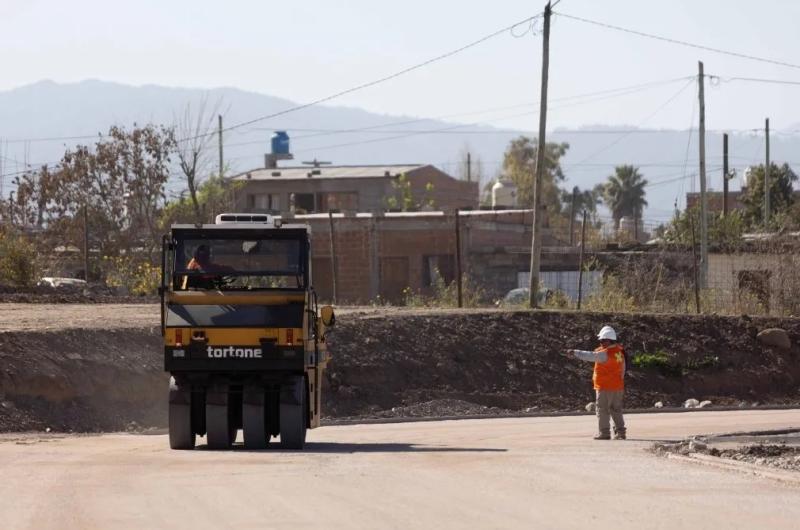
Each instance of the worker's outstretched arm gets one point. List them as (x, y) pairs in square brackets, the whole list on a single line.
[(590, 356)]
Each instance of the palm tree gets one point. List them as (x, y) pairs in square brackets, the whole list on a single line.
[(624, 193)]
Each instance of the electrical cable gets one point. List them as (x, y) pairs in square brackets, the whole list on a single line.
[(679, 42), (384, 78), (648, 118)]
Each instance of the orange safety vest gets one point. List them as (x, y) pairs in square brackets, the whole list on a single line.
[(610, 375)]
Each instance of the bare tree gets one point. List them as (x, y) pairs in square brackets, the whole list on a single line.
[(195, 136)]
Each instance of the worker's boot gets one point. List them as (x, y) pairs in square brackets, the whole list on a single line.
[(619, 434), (603, 436)]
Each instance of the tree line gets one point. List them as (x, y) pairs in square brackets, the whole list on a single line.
[(624, 194), (113, 190)]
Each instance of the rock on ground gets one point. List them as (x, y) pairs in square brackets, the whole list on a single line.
[(775, 337), (690, 403)]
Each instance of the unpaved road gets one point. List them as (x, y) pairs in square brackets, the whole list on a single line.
[(48, 317), (503, 473)]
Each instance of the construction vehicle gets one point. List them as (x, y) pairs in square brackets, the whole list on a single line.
[(244, 336)]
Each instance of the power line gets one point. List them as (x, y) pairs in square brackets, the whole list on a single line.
[(51, 139), (659, 109), (388, 77), (758, 80), (592, 97), (608, 93), (679, 42)]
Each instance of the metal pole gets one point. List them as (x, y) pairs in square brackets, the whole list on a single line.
[(725, 175), (694, 267), (703, 196), (536, 238), (333, 258), (458, 262), (580, 261), (469, 167), (767, 180)]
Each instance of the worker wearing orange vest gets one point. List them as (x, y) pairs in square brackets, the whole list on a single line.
[(609, 382)]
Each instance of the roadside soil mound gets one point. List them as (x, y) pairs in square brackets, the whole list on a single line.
[(66, 294), (391, 363), (82, 380), (514, 361)]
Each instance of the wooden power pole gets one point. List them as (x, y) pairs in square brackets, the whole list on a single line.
[(334, 261), (85, 243), (459, 285), (572, 216), (580, 261), (536, 238), (219, 135), (767, 181), (703, 197), (725, 175)]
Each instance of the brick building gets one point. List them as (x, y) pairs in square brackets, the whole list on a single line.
[(349, 189), (715, 199), (381, 255)]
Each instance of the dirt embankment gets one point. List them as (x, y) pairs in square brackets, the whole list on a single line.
[(82, 380), (397, 363), (514, 360)]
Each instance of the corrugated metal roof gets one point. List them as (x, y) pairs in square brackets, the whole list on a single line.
[(328, 172)]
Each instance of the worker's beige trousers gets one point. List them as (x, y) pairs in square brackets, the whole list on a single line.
[(609, 403)]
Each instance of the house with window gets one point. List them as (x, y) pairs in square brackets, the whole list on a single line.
[(371, 188)]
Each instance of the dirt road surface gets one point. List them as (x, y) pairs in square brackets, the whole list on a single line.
[(502, 473), (47, 317)]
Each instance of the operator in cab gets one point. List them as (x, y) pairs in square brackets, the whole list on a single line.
[(201, 262)]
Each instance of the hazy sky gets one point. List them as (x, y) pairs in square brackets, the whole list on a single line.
[(305, 49)]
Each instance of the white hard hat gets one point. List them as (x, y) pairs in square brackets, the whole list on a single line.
[(607, 333)]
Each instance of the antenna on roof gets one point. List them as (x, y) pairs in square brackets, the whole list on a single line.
[(317, 163)]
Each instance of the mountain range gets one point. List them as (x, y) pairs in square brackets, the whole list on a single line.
[(38, 121)]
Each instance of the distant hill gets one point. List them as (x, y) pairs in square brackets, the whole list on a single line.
[(47, 109)]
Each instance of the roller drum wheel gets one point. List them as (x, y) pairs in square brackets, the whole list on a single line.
[(181, 435), (254, 418), (220, 432), (293, 420)]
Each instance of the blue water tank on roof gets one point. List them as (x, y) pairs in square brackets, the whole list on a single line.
[(280, 143)]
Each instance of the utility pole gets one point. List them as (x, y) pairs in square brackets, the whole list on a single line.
[(725, 175), (333, 257), (572, 216), (580, 261), (85, 243), (469, 167), (703, 197), (219, 135), (694, 267), (536, 238), (458, 262), (767, 181)]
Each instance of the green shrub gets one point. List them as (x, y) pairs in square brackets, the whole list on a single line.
[(665, 364), (557, 300), (135, 278), (18, 260), (446, 294), (612, 297)]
